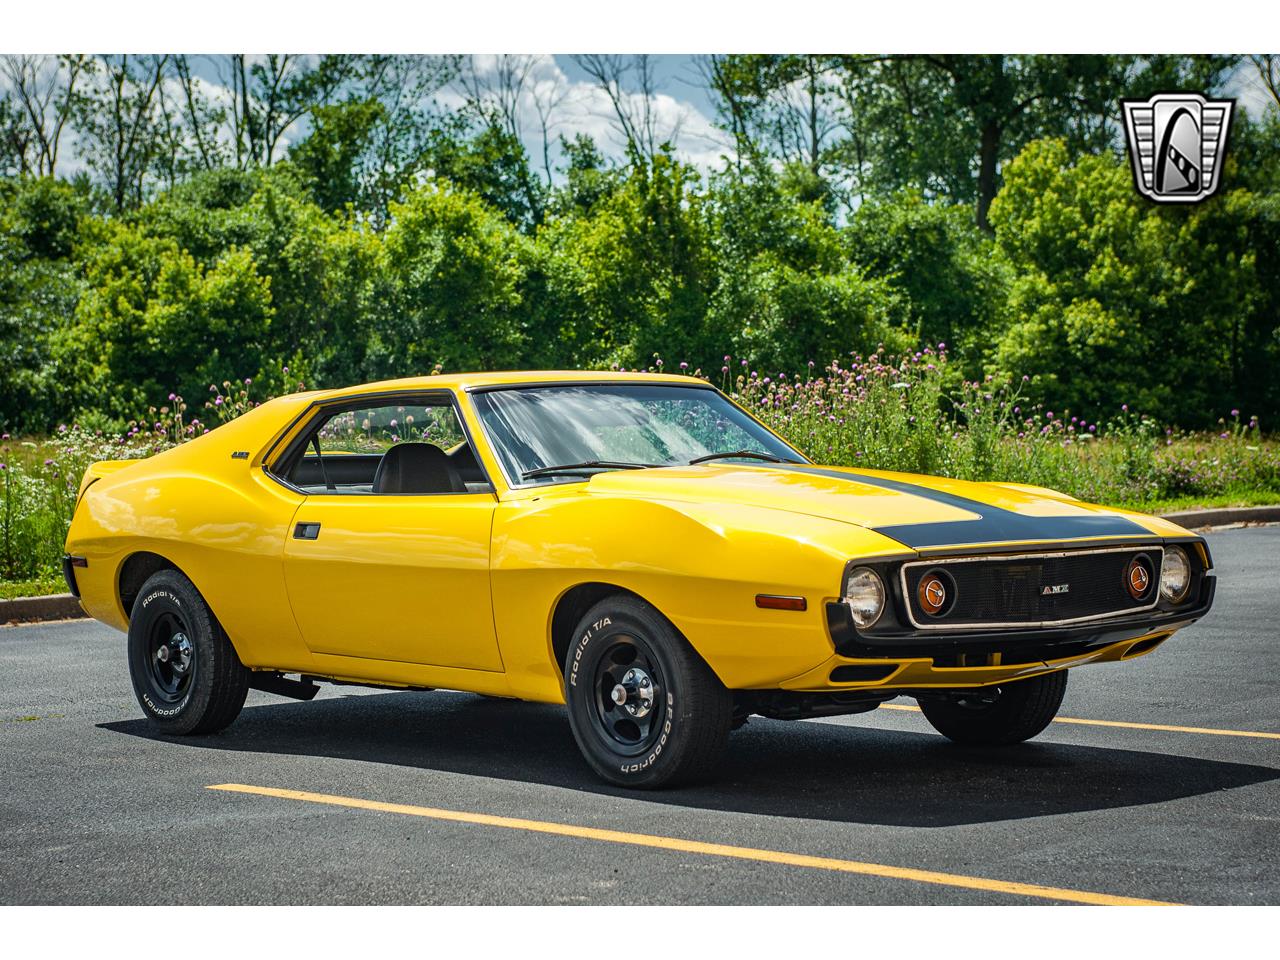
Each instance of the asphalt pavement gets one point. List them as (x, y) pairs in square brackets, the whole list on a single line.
[(448, 798)]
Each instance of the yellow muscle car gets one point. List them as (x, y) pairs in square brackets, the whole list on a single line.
[(635, 546)]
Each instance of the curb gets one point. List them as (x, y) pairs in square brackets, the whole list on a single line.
[(1223, 516), (59, 606), (63, 606)]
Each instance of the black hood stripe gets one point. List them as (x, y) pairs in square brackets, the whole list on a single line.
[(992, 525)]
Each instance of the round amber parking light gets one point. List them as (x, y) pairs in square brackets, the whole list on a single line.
[(933, 593), (1137, 577), (1175, 575)]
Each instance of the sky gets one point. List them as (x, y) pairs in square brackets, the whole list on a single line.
[(682, 104)]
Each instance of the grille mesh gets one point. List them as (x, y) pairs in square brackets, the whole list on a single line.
[(989, 590)]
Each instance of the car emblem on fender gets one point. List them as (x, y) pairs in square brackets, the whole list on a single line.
[(1176, 145)]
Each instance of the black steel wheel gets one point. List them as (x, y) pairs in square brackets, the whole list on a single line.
[(994, 716), (185, 672), (170, 660), (645, 709), (628, 695)]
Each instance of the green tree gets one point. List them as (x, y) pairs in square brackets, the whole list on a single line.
[(940, 263), (943, 124), (493, 164), (453, 269), (787, 291), (120, 125), (633, 272), (152, 320), (331, 157), (39, 288), (1118, 300)]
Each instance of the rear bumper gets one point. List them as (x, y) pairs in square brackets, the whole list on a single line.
[(69, 564)]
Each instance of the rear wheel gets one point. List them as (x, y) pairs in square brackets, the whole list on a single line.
[(186, 674), (1009, 713), (645, 709)]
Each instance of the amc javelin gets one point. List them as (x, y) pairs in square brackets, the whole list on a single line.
[(637, 547)]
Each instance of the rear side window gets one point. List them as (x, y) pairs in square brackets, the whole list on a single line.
[(375, 429)]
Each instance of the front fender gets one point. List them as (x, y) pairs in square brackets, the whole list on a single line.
[(700, 564)]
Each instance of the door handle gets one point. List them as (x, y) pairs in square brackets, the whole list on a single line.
[(306, 531)]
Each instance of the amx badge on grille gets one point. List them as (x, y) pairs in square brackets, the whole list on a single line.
[(1176, 142), (1055, 589)]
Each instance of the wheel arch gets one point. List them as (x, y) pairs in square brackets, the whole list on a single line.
[(135, 571), (573, 604)]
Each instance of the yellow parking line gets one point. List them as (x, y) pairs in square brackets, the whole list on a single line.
[(1131, 726), (697, 846)]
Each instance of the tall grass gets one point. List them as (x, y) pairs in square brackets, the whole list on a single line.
[(916, 414)]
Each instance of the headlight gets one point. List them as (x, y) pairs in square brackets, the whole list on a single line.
[(1175, 575), (864, 593)]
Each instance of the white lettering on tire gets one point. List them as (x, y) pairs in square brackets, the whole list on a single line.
[(156, 595), (161, 711), (582, 646), (657, 747)]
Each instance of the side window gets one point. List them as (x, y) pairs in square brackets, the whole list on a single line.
[(375, 429), (409, 445)]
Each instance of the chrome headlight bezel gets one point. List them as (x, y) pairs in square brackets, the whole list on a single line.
[(865, 595), (1176, 564)]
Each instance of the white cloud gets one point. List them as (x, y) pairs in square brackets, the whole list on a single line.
[(570, 107), (1250, 93), (583, 107)]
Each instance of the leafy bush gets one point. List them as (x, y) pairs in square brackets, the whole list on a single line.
[(1115, 299), (152, 315)]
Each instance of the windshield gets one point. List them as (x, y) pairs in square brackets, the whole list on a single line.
[(533, 428)]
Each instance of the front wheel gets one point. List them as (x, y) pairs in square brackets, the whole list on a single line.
[(645, 709), (1010, 713), (186, 675)]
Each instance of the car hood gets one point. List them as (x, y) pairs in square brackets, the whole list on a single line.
[(920, 512)]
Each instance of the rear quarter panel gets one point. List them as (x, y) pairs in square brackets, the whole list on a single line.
[(220, 520)]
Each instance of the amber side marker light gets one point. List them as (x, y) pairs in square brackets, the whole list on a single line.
[(769, 601)]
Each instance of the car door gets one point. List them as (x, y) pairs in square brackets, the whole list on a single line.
[(384, 571)]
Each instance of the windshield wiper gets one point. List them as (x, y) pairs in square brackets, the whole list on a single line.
[(747, 454), (586, 467)]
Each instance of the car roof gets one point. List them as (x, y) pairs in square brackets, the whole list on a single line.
[(470, 381)]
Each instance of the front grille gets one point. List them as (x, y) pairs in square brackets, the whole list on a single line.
[(1028, 589)]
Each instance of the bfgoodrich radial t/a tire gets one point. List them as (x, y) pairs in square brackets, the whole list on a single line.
[(186, 675), (1009, 713), (645, 709)]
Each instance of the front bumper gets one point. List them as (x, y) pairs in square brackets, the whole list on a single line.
[(903, 660), (1013, 645)]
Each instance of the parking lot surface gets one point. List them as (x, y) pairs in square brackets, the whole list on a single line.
[(447, 798)]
